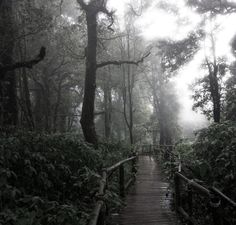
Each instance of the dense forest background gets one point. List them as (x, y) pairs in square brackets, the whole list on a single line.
[(80, 89), (133, 101)]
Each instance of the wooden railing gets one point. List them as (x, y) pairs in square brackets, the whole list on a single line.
[(99, 212), (151, 149), (162, 153), (215, 201), (190, 194)]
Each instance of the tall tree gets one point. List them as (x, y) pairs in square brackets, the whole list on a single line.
[(209, 93), (213, 71), (8, 101), (92, 9), (164, 102), (230, 98)]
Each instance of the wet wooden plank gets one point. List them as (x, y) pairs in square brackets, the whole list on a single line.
[(147, 203)]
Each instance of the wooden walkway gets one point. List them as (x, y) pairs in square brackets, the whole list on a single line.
[(147, 203)]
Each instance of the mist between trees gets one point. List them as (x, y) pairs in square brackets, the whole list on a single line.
[(95, 72)]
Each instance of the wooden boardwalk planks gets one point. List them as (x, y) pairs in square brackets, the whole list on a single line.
[(146, 202)]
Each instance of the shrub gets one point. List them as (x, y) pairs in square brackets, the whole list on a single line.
[(50, 179), (215, 148)]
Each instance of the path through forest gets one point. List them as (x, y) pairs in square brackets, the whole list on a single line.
[(147, 202)]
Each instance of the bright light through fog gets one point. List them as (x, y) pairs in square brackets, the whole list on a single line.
[(156, 23), (225, 34), (157, 29)]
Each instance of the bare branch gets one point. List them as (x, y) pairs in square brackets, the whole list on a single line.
[(119, 63), (99, 113), (82, 4), (109, 15), (26, 64), (135, 13), (95, 113), (112, 38), (60, 6)]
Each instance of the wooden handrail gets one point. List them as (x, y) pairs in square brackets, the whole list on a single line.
[(213, 197), (194, 184), (100, 203), (205, 191), (223, 196), (117, 165), (97, 217)]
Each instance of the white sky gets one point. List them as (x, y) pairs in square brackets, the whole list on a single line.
[(155, 23)]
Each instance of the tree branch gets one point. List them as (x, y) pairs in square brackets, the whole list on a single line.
[(99, 113), (217, 6), (60, 6), (82, 4), (95, 113), (27, 64), (112, 38), (110, 16), (119, 63)]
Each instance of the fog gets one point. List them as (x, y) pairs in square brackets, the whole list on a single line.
[(156, 23)]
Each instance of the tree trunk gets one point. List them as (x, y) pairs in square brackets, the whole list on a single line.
[(27, 100), (87, 117), (130, 95), (8, 96), (57, 105), (214, 91), (47, 105), (22, 46), (38, 107), (214, 86), (128, 100), (108, 105), (162, 133), (9, 109)]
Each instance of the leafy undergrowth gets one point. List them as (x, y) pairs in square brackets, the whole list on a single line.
[(50, 179), (215, 150), (211, 160)]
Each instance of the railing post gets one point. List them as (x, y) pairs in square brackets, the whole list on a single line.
[(134, 169), (102, 217), (177, 192), (122, 181), (190, 203), (215, 204)]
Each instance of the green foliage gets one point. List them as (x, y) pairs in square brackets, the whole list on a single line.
[(177, 53), (215, 150), (185, 151), (50, 179), (203, 88), (210, 160), (212, 157), (230, 98), (215, 7)]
